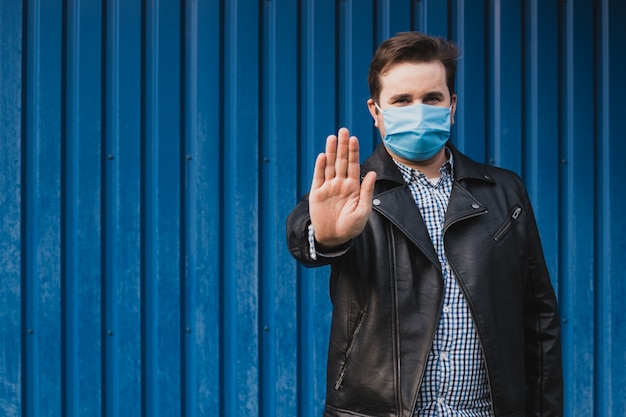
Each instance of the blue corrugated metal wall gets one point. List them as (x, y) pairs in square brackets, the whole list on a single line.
[(151, 150)]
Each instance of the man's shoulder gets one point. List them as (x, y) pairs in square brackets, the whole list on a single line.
[(467, 168)]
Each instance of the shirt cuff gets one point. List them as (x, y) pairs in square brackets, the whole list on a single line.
[(313, 253)]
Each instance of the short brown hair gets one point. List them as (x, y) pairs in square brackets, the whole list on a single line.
[(412, 47)]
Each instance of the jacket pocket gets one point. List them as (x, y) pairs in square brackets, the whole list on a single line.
[(342, 370), (508, 224)]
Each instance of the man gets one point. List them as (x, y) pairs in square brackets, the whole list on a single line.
[(442, 303)]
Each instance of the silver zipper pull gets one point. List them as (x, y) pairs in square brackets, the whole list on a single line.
[(340, 380)]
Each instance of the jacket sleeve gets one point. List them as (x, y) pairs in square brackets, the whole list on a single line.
[(542, 332), (297, 230)]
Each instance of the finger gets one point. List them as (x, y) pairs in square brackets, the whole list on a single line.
[(354, 165), (318, 172), (367, 191), (331, 156), (341, 164)]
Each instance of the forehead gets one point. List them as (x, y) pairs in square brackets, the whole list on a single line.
[(413, 78)]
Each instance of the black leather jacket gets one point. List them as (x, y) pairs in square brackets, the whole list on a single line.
[(386, 287)]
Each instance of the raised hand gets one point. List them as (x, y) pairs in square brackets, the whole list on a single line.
[(339, 203)]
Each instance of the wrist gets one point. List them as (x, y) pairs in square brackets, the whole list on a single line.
[(324, 242)]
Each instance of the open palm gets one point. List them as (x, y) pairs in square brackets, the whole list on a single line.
[(339, 203)]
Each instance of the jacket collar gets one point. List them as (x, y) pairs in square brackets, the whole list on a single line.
[(381, 162), (396, 203), (464, 168)]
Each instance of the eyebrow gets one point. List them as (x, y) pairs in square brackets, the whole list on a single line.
[(434, 93), (399, 97)]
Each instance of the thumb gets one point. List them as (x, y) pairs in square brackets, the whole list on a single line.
[(367, 189)]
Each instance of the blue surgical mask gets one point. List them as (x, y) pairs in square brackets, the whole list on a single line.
[(416, 132)]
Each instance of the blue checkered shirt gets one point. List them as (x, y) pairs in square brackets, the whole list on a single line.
[(455, 380)]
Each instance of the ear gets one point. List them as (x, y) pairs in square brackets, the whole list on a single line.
[(373, 111), (453, 101)]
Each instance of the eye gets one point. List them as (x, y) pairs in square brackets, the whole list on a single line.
[(431, 100), (402, 101)]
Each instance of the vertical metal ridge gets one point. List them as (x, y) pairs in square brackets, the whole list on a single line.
[(268, 93), (43, 241), (108, 248), (81, 209), (603, 380), (228, 349), (241, 204), (433, 17), (319, 118), (162, 209), (30, 364), (352, 80), (146, 388), (203, 140), (278, 289), (611, 239), (122, 194), (309, 148), (188, 278), (68, 225), (109, 191), (148, 295), (12, 289), (182, 229), (495, 80), (505, 88), (577, 282), (470, 32), (541, 126)]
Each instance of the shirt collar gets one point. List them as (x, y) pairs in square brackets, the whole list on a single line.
[(408, 173)]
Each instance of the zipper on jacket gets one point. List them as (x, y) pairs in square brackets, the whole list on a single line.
[(502, 231), (395, 327), (462, 289), (342, 371), (512, 218), (341, 376)]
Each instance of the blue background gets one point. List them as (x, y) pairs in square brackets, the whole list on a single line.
[(151, 150)]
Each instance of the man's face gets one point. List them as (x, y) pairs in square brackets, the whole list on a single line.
[(411, 83)]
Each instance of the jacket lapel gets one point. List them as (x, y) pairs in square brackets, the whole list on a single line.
[(396, 203), (398, 206), (462, 205)]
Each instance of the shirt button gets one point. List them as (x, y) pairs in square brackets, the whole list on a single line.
[(444, 356), (440, 400), (446, 309)]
